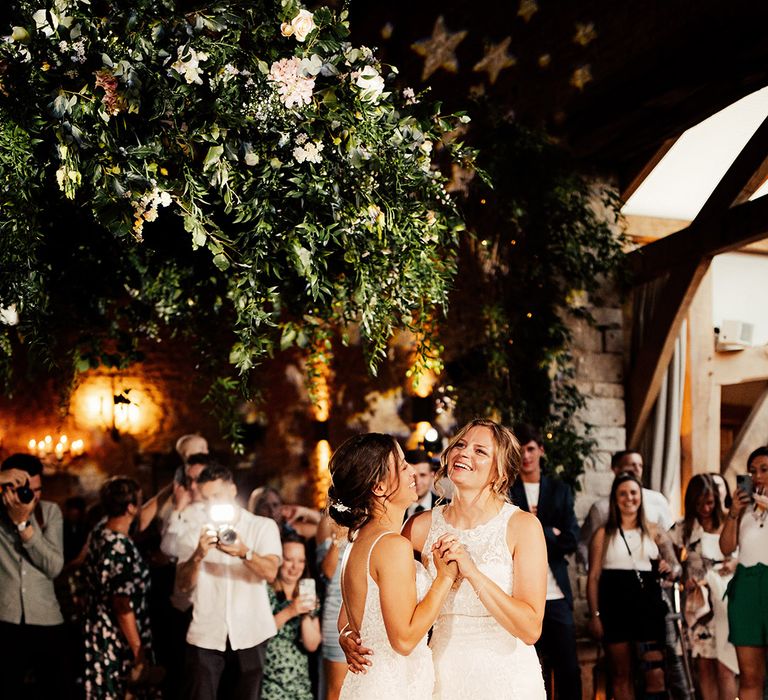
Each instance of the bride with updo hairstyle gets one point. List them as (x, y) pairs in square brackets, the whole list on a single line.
[(388, 599)]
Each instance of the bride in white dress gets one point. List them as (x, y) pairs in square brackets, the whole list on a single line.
[(388, 598), (482, 642)]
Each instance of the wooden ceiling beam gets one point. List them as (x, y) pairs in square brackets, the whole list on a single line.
[(658, 345), (743, 224), (686, 256)]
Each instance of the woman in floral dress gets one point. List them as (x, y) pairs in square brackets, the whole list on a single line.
[(286, 668), (117, 631)]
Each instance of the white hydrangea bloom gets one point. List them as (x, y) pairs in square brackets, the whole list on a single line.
[(190, 68)]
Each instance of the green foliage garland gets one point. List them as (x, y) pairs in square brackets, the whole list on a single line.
[(236, 171)]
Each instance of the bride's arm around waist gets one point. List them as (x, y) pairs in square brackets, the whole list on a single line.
[(521, 613), (406, 620)]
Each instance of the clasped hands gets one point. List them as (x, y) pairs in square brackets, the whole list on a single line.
[(451, 561)]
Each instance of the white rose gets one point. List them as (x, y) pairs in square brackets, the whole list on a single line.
[(303, 24), (371, 84), (286, 29)]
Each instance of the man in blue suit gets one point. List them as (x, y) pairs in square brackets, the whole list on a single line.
[(551, 501)]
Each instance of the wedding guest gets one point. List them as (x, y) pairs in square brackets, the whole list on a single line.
[(707, 572), (286, 667), (332, 542), (227, 576), (551, 501), (425, 481), (291, 519), (655, 505), (623, 591), (32, 633), (747, 600), (118, 638)]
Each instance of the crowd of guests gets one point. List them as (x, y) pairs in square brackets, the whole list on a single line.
[(190, 595), (720, 552)]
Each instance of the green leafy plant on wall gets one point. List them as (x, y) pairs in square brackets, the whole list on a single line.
[(545, 240), (237, 172)]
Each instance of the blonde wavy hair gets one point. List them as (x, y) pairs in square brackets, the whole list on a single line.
[(508, 454)]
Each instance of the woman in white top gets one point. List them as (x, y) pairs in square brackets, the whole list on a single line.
[(745, 528), (707, 572), (623, 592), (483, 639), (386, 597)]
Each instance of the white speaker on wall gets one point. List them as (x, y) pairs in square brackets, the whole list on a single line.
[(733, 335)]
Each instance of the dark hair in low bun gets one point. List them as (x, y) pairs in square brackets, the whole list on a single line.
[(356, 467)]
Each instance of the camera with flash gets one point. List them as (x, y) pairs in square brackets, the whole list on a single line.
[(222, 516)]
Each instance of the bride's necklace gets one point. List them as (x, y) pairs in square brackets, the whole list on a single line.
[(759, 516)]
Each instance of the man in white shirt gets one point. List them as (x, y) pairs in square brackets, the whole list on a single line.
[(228, 573), (655, 505), (425, 480)]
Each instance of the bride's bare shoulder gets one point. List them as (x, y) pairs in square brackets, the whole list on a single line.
[(416, 529), (523, 525)]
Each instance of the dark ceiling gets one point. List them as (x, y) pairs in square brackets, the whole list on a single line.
[(613, 79)]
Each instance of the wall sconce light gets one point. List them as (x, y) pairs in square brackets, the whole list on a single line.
[(114, 411)]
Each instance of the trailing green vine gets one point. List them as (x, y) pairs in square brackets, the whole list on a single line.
[(545, 237)]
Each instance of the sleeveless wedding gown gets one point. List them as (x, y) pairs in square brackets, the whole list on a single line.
[(392, 675), (474, 656)]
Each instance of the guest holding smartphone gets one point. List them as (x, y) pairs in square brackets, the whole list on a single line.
[(286, 669), (747, 599)]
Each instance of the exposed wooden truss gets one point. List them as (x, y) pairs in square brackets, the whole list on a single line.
[(727, 221)]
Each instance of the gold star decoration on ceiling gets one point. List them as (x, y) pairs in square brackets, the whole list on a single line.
[(528, 8), (585, 33), (439, 51), (496, 59), (581, 76)]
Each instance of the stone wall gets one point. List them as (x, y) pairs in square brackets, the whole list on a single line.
[(599, 363)]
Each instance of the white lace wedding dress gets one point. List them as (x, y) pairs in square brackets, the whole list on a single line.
[(474, 656), (392, 676)]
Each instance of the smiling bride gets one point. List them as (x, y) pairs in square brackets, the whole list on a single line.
[(388, 598)]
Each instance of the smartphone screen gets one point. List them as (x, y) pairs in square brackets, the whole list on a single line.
[(744, 482), (307, 588)]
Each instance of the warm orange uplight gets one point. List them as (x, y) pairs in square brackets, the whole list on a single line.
[(319, 461), (423, 383)]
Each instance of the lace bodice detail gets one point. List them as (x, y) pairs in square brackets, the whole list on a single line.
[(487, 545)]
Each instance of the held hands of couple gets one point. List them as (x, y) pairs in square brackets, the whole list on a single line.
[(353, 649), (452, 551)]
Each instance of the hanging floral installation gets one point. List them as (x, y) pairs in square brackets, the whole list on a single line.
[(236, 171)]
